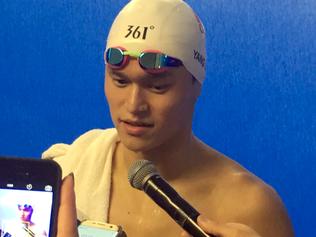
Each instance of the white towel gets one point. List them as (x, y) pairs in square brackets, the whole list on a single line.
[(90, 159)]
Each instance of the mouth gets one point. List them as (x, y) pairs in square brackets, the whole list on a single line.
[(136, 128), (136, 123)]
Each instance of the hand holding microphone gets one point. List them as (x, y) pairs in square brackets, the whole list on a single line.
[(143, 175)]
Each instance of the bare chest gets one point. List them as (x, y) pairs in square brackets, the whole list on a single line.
[(139, 216)]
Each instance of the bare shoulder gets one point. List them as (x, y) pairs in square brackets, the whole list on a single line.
[(253, 202), (237, 195)]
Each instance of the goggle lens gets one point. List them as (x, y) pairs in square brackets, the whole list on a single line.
[(149, 60), (115, 56)]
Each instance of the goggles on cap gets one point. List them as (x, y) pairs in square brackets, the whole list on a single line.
[(152, 61)]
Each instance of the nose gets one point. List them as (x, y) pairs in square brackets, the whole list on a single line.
[(136, 100)]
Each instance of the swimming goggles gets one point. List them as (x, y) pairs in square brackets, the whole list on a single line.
[(150, 60)]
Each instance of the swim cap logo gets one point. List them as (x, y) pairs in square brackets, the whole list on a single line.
[(137, 32), (199, 57)]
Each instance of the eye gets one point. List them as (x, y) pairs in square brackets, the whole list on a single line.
[(120, 82), (160, 88)]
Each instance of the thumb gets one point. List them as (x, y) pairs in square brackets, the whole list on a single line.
[(185, 234), (227, 229), (211, 227), (67, 216)]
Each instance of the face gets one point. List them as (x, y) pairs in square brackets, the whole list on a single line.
[(25, 213), (150, 110)]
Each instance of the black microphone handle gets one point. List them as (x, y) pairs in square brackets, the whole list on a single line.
[(176, 207)]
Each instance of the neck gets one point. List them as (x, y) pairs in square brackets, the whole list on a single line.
[(170, 158)]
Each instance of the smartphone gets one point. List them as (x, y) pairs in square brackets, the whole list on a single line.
[(90, 228), (29, 197)]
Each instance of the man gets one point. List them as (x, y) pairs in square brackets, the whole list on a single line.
[(155, 58), (28, 226), (22, 224)]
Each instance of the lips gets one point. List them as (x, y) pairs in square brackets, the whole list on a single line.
[(135, 128), (137, 123)]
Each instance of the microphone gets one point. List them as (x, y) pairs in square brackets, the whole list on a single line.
[(143, 175)]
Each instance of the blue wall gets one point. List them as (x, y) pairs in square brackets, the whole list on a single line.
[(257, 105)]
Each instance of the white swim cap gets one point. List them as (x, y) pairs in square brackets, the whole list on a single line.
[(170, 26)]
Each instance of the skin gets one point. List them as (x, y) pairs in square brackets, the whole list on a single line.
[(157, 101), (228, 229), (153, 116), (67, 216), (26, 215)]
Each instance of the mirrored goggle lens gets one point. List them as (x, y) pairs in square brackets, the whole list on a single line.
[(150, 60), (114, 56)]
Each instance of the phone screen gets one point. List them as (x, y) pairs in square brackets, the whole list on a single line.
[(91, 231), (27, 203)]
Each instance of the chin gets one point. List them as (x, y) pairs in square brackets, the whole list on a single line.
[(136, 144)]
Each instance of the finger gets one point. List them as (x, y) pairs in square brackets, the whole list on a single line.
[(227, 229), (185, 234), (211, 227), (244, 229), (67, 216), (208, 226)]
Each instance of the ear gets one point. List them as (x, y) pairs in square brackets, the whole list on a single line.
[(197, 87)]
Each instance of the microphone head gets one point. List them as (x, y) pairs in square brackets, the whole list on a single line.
[(139, 172)]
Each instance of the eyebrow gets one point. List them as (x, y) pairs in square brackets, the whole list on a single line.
[(116, 73), (154, 77)]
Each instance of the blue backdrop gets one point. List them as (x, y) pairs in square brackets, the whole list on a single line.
[(257, 105)]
